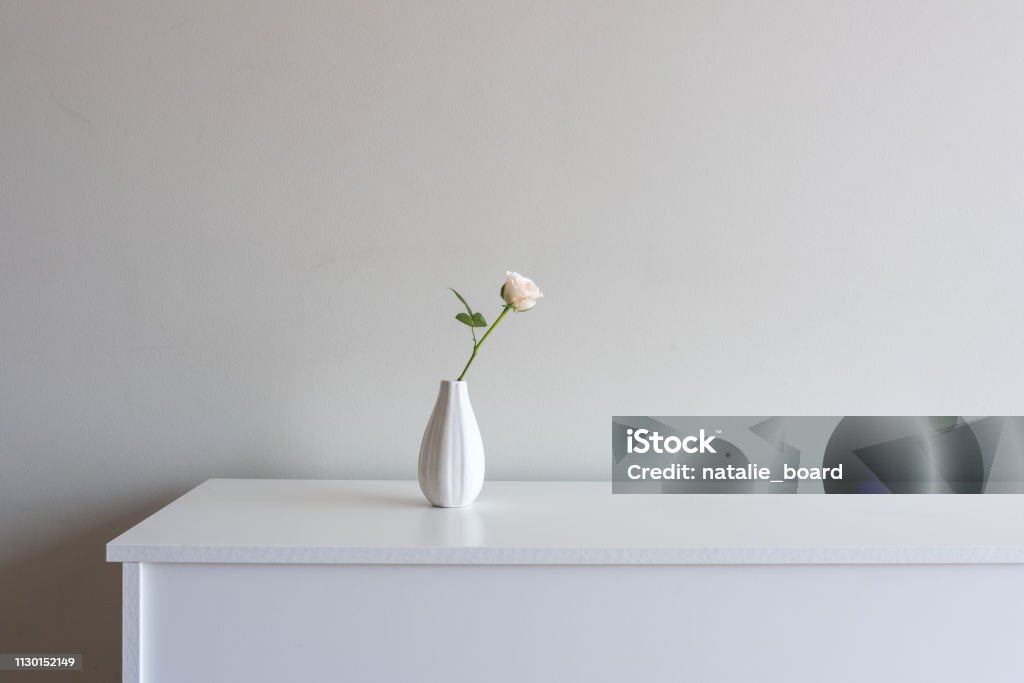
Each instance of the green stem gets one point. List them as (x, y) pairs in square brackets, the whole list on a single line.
[(477, 345)]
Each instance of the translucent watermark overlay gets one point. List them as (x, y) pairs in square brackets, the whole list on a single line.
[(817, 454)]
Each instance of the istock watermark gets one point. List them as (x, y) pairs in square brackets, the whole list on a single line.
[(644, 440), (817, 454)]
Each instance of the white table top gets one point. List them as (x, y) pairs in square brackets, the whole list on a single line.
[(389, 522)]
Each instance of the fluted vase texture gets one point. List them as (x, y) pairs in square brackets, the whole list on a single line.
[(451, 468)]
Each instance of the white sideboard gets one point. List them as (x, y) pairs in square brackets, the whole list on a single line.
[(296, 580)]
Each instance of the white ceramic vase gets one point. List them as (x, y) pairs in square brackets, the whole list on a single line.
[(452, 452)]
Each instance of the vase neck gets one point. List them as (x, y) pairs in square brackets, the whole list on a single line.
[(453, 390)]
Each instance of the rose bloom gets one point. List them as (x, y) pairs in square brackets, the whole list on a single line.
[(520, 292)]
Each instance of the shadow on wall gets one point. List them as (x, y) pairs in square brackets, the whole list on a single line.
[(67, 599)]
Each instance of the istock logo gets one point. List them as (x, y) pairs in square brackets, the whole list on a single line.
[(646, 441)]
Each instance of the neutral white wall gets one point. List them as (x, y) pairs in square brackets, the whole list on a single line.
[(227, 229)]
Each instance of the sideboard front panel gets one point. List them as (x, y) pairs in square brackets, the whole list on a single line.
[(507, 624)]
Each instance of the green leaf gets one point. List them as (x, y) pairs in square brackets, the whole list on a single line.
[(478, 320), (468, 309), (465, 319)]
